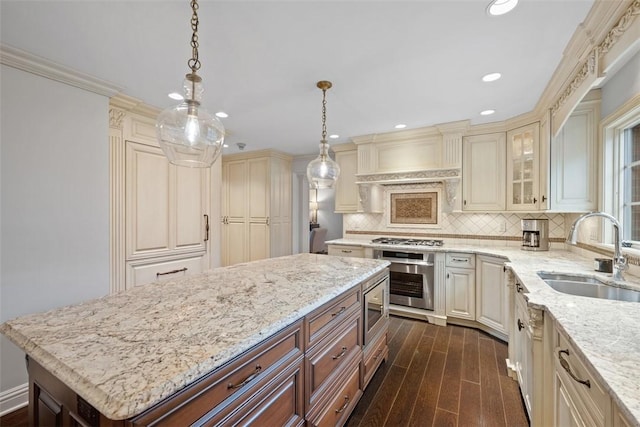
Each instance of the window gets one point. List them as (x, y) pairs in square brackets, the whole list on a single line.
[(630, 140), (621, 170)]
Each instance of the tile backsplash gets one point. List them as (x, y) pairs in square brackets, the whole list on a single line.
[(499, 225)]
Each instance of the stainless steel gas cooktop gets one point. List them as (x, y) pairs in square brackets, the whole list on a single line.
[(407, 242)]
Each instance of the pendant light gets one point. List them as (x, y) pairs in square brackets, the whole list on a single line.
[(323, 172), (188, 134)]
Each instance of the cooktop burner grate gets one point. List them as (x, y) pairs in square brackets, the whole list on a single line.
[(407, 242)]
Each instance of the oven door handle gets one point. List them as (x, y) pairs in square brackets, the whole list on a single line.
[(410, 262)]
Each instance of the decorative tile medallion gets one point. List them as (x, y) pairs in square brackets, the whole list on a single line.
[(414, 208)]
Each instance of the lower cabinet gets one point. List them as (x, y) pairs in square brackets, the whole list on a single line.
[(492, 294), (460, 293), (153, 270), (346, 250)]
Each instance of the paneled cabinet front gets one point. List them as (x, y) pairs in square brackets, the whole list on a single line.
[(256, 207), (523, 171), (483, 172), (166, 205)]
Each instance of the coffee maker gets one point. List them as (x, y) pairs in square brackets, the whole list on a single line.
[(535, 234)]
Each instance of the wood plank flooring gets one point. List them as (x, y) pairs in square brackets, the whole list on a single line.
[(441, 376), (435, 376)]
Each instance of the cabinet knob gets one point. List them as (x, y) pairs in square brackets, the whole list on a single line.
[(535, 200), (544, 198), (520, 325)]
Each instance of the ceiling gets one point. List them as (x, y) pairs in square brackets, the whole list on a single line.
[(414, 62)]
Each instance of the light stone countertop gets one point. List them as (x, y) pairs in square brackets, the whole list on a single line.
[(606, 333), (125, 352)]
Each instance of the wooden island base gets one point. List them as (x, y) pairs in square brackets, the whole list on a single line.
[(311, 372)]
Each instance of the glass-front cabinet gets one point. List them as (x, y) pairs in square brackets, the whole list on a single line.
[(523, 150)]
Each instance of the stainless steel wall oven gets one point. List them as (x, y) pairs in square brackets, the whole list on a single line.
[(411, 277), (376, 308)]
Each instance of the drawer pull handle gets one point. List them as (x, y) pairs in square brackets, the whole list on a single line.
[(378, 354), (342, 353), (459, 260), (518, 287), (345, 251), (343, 407), (339, 312), (180, 270), (565, 364), (250, 378), (520, 325)]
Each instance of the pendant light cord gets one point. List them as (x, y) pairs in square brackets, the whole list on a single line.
[(194, 62)]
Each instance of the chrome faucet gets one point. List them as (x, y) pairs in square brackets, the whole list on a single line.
[(619, 261)]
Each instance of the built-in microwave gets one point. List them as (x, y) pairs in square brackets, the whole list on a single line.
[(376, 308)]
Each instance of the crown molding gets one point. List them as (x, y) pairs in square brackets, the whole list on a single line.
[(25, 61)]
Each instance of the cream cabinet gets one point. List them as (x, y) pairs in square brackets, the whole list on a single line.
[(483, 172), (492, 294), (523, 150), (166, 209), (256, 206), (346, 250), (574, 169), (347, 198), (460, 286)]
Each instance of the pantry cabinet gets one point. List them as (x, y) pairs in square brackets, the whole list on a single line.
[(256, 206), (483, 172), (160, 213)]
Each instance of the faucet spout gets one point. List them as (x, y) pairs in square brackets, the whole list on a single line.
[(619, 261)]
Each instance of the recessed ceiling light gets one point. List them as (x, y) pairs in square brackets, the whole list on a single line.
[(400, 126), (222, 114), (492, 77), (334, 136), (225, 145), (176, 96), (500, 7), (487, 112)]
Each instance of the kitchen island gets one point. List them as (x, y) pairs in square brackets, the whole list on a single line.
[(124, 353)]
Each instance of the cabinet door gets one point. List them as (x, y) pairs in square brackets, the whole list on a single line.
[(189, 208), (573, 161), (234, 181), (346, 188), (259, 184), (523, 146), (492, 296), (565, 412), (483, 172), (258, 246), (147, 200), (234, 242), (460, 293)]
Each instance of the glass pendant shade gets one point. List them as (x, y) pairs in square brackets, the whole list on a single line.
[(188, 134), (323, 172)]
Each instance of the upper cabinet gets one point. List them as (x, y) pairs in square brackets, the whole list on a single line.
[(523, 148), (574, 159), (346, 187), (483, 172)]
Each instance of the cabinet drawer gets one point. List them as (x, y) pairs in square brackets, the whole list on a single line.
[(141, 272), (330, 356), (460, 260), (350, 251), (375, 353), (323, 320), (219, 393), (338, 409), (593, 397)]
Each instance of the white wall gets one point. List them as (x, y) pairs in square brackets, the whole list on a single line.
[(54, 212), (623, 86)]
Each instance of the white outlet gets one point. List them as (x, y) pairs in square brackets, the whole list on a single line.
[(593, 234)]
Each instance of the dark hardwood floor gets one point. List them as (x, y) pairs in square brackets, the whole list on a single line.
[(441, 376), (435, 376)]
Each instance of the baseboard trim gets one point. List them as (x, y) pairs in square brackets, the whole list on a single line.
[(14, 399)]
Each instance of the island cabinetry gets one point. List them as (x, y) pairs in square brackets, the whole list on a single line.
[(460, 286), (327, 362)]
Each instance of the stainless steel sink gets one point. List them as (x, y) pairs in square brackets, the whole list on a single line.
[(586, 286)]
